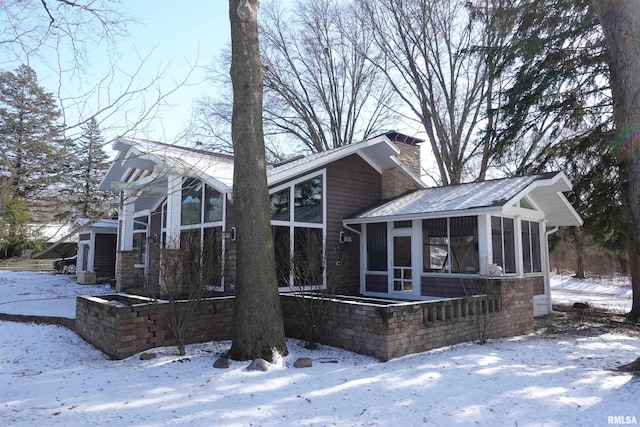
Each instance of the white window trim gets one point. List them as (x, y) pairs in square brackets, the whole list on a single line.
[(292, 224)]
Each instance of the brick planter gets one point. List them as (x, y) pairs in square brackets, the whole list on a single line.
[(389, 330), (122, 325)]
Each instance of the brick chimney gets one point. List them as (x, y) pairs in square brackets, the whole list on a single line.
[(394, 181)]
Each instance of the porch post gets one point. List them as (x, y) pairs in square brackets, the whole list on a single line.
[(517, 230), (174, 206), (127, 210), (485, 248)]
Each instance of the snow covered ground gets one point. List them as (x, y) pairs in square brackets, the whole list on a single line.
[(49, 376), (612, 293)]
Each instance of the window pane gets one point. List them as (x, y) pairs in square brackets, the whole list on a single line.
[(281, 243), (307, 257), (509, 245), (402, 224), (535, 247), (402, 251), (214, 205), (464, 244), (191, 211), (308, 201), (140, 222), (280, 205), (377, 247), (212, 256), (526, 247), (190, 252), (139, 247), (496, 241), (435, 245)]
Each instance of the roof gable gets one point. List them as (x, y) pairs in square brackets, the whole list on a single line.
[(217, 170)]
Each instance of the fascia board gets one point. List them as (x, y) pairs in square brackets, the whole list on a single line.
[(303, 168), (429, 215)]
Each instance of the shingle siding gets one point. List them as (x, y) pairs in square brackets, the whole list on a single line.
[(352, 185)]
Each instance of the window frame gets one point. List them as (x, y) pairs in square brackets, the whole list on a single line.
[(447, 266), (292, 224), (514, 255)]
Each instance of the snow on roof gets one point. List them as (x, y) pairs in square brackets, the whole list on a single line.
[(497, 194), (100, 223), (190, 161), (143, 154), (51, 233), (164, 159)]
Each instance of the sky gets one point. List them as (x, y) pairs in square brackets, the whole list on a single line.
[(50, 376), (175, 38)]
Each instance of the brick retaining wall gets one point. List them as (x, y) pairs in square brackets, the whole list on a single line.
[(387, 331), (122, 325)]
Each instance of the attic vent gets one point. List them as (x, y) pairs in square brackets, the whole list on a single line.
[(289, 160)]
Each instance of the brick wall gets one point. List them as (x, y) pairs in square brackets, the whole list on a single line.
[(127, 275), (122, 325), (394, 181), (394, 330)]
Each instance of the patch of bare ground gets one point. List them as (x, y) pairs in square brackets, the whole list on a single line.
[(590, 321)]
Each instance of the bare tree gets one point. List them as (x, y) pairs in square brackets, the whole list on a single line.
[(620, 21), (258, 325), (185, 276), (427, 53), (42, 30), (320, 91), (314, 285), (319, 86)]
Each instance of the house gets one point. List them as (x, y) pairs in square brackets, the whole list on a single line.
[(365, 205), (96, 249)]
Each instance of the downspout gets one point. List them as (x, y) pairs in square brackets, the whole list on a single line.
[(353, 230)]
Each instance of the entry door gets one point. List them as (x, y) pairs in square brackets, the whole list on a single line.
[(402, 277)]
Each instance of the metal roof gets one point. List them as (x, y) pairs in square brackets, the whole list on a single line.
[(545, 190)]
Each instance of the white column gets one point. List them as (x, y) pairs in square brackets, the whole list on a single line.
[(517, 231), (416, 256), (174, 206), (485, 248), (127, 210), (92, 252)]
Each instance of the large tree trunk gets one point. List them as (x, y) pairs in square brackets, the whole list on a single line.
[(620, 21), (258, 328)]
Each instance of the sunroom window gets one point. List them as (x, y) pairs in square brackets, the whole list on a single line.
[(280, 205), (503, 243), (531, 260), (450, 245), (377, 246)]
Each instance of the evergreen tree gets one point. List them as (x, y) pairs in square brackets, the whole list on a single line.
[(91, 163), (14, 233), (556, 82), (33, 151)]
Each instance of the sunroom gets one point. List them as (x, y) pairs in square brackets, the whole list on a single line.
[(443, 242)]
